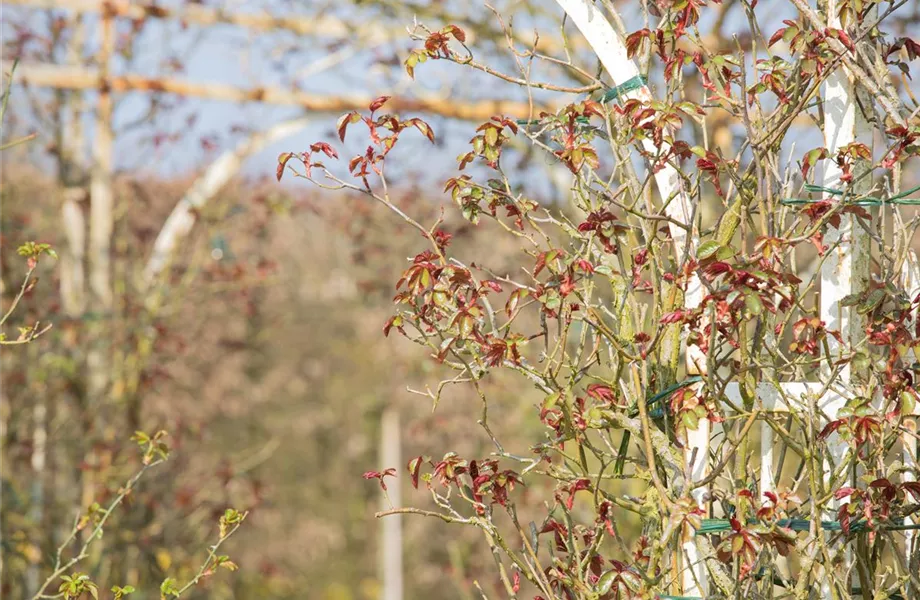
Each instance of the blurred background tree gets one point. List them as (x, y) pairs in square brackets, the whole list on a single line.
[(254, 337)]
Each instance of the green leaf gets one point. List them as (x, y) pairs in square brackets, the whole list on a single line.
[(229, 565), (121, 592), (169, 587), (691, 420), (753, 304), (411, 61), (491, 136), (729, 223), (908, 403), (466, 326), (850, 300), (478, 144), (605, 583), (708, 249), (874, 299), (725, 253), (551, 400)]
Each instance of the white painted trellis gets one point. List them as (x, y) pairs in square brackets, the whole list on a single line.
[(843, 272)]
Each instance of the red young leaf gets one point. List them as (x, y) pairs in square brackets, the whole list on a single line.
[(282, 162), (633, 41), (673, 317), (494, 285), (831, 428), (601, 392), (378, 102), (391, 472), (811, 158), (913, 487), (777, 36), (424, 127), (325, 149), (458, 33), (844, 492), (344, 121), (395, 321), (414, 466), (843, 37)]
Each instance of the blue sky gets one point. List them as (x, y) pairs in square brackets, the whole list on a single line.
[(232, 55), (226, 55)]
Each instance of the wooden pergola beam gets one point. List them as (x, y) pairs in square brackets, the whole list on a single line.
[(78, 78), (321, 26), (316, 26)]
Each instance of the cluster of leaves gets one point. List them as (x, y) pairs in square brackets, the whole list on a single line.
[(32, 252), (436, 46)]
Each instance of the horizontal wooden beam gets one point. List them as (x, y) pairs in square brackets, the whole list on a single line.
[(320, 26), (78, 78), (317, 26)]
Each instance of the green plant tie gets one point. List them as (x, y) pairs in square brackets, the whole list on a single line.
[(613, 93), (867, 201), (528, 122), (658, 412), (629, 85), (854, 591), (710, 526)]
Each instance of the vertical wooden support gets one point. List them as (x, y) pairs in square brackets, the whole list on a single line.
[(73, 223), (101, 225), (910, 462), (72, 183), (845, 270), (909, 439), (610, 49), (391, 546), (767, 483), (102, 196)]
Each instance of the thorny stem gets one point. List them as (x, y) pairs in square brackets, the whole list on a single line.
[(59, 568), (207, 568), (22, 291)]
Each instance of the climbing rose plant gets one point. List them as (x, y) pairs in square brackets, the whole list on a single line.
[(594, 316)]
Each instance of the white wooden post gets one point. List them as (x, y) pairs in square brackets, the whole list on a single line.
[(611, 51), (909, 440), (846, 270), (391, 546)]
